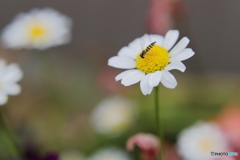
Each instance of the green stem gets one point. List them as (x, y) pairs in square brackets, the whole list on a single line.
[(159, 123), (4, 125)]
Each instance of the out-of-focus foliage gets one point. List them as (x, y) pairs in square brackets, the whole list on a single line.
[(62, 87)]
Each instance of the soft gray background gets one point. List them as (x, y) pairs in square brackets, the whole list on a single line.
[(213, 27)]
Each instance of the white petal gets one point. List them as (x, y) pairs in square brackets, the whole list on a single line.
[(176, 65), (150, 90), (121, 62), (185, 54), (2, 63), (121, 75), (3, 98), (168, 80), (132, 77), (180, 46), (145, 41), (170, 39), (12, 73), (156, 38), (155, 78), (135, 45), (12, 88), (127, 53), (144, 85)]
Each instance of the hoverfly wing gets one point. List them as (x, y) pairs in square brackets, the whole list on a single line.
[(151, 51)]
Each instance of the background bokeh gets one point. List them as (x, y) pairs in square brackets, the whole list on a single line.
[(62, 85)]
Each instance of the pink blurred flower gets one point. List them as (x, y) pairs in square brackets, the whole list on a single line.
[(229, 120), (147, 143), (162, 13)]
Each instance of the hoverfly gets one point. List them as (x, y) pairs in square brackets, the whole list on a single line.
[(145, 51)]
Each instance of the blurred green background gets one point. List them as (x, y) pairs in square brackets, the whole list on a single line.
[(62, 86)]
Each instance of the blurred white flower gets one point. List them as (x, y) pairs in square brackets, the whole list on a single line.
[(149, 60), (9, 76), (198, 141), (111, 153), (38, 29), (71, 155), (113, 116)]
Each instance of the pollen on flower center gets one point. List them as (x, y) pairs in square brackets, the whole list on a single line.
[(37, 31), (157, 58), (206, 145)]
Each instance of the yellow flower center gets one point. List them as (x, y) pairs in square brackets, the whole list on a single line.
[(206, 145), (156, 59), (37, 31)]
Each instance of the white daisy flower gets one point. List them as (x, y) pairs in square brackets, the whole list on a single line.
[(113, 116), (9, 76), (111, 153), (198, 141), (38, 29), (153, 66)]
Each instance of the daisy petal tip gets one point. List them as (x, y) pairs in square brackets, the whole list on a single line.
[(176, 65), (110, 64), (120, 76), (169, 80), (117, 78), (186, 39), (121, 62), (174, 30), (193, 53), (183, 69), (146, 93), (171, 87), (149, 92), (124, 83), (174, 86), (110, 61), (170, 39)]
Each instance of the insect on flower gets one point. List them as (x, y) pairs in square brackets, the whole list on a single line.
[(145, 51), (150, 64)]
